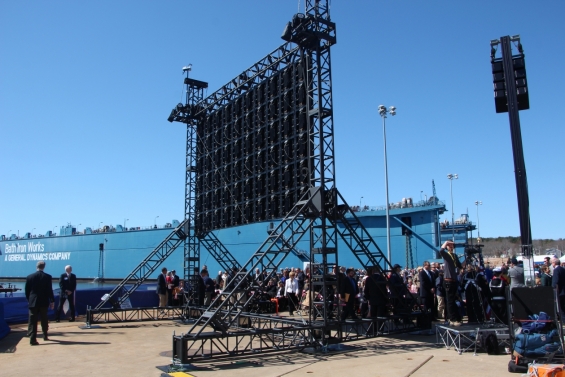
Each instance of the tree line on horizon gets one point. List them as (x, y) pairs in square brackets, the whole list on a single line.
[(510, 246)]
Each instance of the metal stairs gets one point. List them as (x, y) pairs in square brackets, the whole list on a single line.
[(142, 272)]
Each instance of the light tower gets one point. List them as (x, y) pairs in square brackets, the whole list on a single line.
[(478, 203), (451, 177), (382, 112)]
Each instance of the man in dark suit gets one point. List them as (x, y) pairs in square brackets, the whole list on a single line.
[(397, 287), (375, 292), (68, 285), (39, 294), (209, 287), (558, 281), (348, 292), (427, 293), (451, 268), (176, 279), (162, 287), (435, 275)]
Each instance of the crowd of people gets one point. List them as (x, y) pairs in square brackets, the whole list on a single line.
[(443, 291)]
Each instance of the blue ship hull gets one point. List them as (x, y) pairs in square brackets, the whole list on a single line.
[(124, 250)]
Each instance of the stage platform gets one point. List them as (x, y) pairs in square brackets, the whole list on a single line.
[(469, 336)]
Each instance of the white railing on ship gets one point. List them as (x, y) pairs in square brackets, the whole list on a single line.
[(421, 203)]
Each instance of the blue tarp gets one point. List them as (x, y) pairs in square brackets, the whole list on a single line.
[(16, 309)]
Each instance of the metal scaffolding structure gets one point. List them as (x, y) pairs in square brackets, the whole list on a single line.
[(232, 325), (262, 148), (187, 114)]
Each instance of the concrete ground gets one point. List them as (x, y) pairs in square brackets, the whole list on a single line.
[(139, 349)]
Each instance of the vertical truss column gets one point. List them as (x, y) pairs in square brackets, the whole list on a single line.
[(319, 38), (194, 95), (320, 93), (191, 244), (189, 113)]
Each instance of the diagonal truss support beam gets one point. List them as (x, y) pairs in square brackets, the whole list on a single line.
[(149, 265), (219, 252), (232, 302), (302, 255), (416, 234), (366, 250), (271, 64), (357, 237)]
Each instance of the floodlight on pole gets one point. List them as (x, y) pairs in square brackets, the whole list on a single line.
[(382, 112), (451, 177), (478, 203)]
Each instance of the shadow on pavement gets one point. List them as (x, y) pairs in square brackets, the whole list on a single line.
[(10, 342)]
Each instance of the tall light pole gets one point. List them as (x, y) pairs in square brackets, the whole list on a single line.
[(33, 231), (360, 203), (451, 177), (155, 222), (478, 203), (382, 112), (125, 221), (100, 223)]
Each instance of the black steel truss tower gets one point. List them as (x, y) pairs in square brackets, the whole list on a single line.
[(187, 114), (321, 32), (281, 96), (310, 37)]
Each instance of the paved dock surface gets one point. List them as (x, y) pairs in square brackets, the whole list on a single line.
[(139, 349)]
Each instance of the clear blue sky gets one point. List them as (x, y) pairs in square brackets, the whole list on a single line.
[(86, 88)]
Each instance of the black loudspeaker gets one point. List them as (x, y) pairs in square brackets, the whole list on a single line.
[(500, 100), (527, 301), (519, 73), (101, 247), (521, 82)]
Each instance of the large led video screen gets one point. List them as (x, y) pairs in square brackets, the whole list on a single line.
[(254, 153)]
